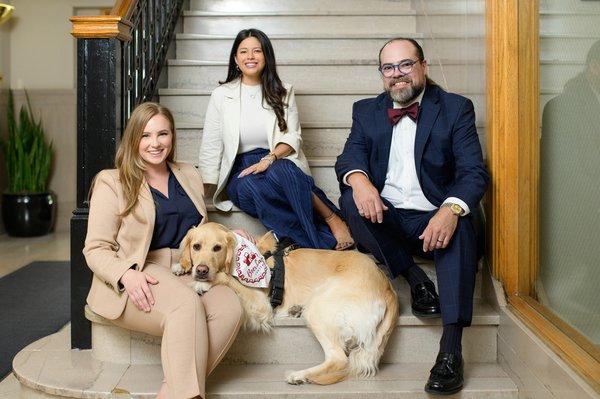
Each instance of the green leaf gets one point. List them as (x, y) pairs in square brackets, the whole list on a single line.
[(27, 155)]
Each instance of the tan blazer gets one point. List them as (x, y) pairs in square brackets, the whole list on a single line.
[(221, 136), (114, 243)]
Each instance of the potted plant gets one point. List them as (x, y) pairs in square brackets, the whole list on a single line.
[(28, 207)]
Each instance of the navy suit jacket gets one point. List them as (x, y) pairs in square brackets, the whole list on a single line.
[(448, 155)]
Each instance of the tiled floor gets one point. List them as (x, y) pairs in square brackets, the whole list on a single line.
[(18, 252)]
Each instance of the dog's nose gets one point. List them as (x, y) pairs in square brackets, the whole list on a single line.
[(201, 271)]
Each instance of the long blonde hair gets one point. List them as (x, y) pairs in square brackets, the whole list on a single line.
[(128, 161)]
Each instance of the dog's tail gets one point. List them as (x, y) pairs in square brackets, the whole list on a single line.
[(364, 358)]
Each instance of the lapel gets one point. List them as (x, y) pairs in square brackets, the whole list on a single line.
[(383, 125), (427, 117), (147, 204), (231, 109), (186, 184)]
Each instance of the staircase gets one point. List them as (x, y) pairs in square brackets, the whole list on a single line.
[(328, 51)]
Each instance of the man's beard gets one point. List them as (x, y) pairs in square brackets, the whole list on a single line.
[(407, 94)]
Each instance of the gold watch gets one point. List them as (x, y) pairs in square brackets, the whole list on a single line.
[(455, 208)]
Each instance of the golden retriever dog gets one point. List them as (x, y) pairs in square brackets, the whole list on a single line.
[(347, 301)]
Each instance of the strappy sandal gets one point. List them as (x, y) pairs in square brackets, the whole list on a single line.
[(346, 244)]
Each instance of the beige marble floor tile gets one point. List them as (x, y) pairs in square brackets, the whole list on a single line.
[(17, 252), (9, 387)]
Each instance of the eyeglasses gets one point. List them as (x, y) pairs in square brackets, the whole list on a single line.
[(405, 67)]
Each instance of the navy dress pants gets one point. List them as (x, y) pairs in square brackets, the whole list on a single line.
[(394, 241), (281, 197)]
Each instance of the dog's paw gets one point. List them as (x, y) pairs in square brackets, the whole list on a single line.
[(177, 269), (296, 378), (295, 311), (200, 286)]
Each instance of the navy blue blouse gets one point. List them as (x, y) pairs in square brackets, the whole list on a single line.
[(175, 215)]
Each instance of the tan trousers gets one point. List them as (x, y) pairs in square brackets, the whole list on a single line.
[(196, 330)]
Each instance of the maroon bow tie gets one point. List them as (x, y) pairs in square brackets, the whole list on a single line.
[(395, 114)]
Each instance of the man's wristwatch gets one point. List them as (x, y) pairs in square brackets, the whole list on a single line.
[(455, 208)]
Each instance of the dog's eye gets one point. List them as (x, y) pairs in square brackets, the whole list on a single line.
[(216, 248), (197, 247)]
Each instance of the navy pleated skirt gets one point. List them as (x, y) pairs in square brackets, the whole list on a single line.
[(281, 197)]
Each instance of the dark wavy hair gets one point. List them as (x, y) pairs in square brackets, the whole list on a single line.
[(273, 91)]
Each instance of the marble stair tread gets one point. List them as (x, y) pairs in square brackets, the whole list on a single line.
[(415, 35), (333, 36), (359, 61), (63, 373), (293, 13), (313, 92), (305, 125), (304, 5), (483, 315), (318, 62), (189, 105), (392, 381), (569, 12)]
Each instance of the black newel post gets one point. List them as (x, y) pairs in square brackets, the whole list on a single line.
[(98, 132)]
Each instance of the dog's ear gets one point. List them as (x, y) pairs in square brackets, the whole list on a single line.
[(231, 241), (185, 259), (267, 243)]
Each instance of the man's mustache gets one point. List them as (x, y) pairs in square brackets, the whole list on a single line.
[(393, 82)]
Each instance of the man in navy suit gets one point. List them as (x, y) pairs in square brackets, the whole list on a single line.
[(411, 177)]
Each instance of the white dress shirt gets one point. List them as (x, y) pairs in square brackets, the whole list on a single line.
[(402, 188)]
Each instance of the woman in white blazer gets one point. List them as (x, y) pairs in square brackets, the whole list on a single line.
[(252, 151)]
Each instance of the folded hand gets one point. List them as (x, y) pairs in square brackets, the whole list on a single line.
[(136, 285)]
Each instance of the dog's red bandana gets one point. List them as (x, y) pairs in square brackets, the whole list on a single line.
[(249, 266)]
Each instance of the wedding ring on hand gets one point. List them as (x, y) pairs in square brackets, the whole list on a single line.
[(438, 240)]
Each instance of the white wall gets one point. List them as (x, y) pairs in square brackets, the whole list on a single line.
[(37, 52), (42, 50), (5, 52)]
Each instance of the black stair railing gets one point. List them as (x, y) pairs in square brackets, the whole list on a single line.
[(119, 61)]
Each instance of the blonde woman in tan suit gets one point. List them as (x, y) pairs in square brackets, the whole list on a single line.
[(139, 213)]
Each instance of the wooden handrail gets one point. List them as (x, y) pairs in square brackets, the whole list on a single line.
[(123, 8), (115, 26)]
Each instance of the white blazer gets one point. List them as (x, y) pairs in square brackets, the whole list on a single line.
[(221, 136)]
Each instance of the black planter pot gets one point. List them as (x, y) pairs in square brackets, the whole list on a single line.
[(28, 215)]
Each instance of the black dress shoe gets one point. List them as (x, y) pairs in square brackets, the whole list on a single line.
[(446, 376), (425, 301)]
